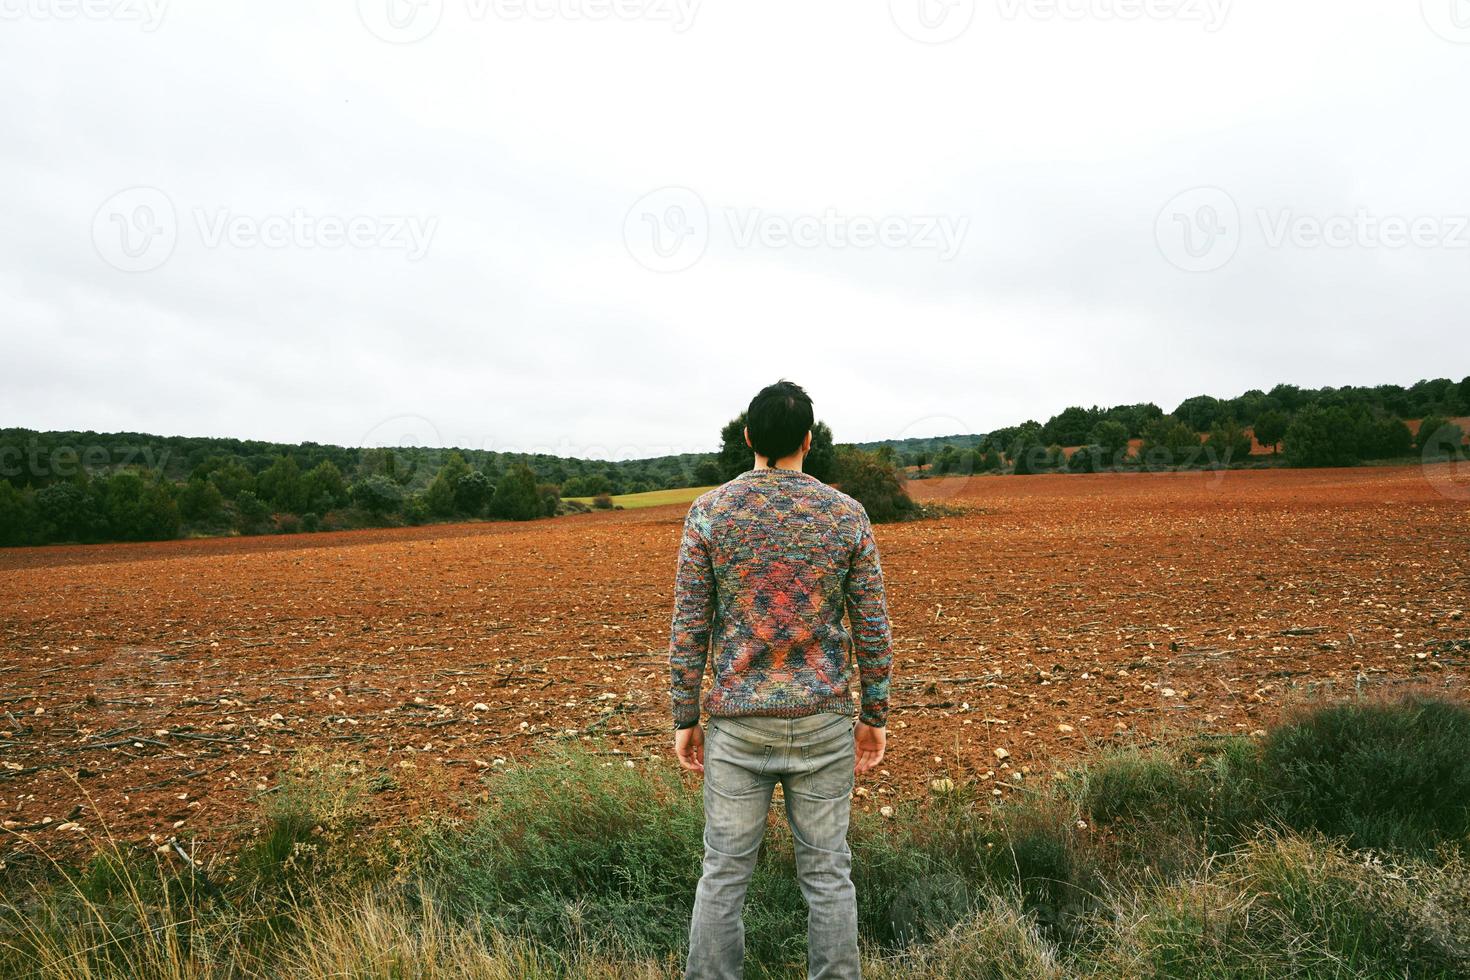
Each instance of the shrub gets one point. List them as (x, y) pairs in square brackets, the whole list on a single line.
[(1228, 443), (378, 495), (1169, 442), (472, 494), (324, 487), (550, 499), (602, 502), (878, 486), (139, 508), (251, 513), (1321, 436), (1394, 775), (1111, 436), (1384, 438), (1086, 459), (19, 520), (516, 497), (201, 501)]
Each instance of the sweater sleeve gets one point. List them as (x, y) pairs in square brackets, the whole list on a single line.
[(872, 639), (694, 594)]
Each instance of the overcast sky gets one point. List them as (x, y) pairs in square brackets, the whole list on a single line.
[(597, 227)]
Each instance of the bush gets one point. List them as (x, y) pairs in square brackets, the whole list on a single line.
[(378, 495), (878, 486), (1321, 436), (1169, 442), (516, 497), (200, 501), (19, 518), (1228, 443), (1111, 436), (251, 513), (1384, 438), (602, 502), (550, 499), (1382, 775), (139, 508)]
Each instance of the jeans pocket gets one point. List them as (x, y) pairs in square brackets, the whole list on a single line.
[(829, 763), (732, 764)]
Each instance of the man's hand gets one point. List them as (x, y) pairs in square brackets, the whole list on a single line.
[(871, 743), (689, 748)]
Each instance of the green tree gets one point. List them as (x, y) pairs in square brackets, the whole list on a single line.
[(20, 520), (139, 508), (1321, 436), (1228, 442), (735, 456), (1200, 413), (587, 485), (70, 511), (516, 497), (550, 495), (706, 473), (231, 478), (1168, 442), (1378, 436), (441, 495), (379, 494), (821, 459), (280, 485), (324, 487), (472, 494), (1111, 439), (1270, 428), (200, 501)]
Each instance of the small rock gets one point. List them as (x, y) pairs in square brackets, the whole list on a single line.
[(481, 706), (945, 785), (1002, 754)]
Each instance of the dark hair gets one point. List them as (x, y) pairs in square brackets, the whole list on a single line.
[(778, 420)]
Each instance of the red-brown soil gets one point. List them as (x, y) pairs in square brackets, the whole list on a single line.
[(159, 687)]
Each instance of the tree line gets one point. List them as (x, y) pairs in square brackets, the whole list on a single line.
[(89, 486), (1303, 427)]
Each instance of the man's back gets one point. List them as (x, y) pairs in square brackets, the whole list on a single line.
[(768, 565)]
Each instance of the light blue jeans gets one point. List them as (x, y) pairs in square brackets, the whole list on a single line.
[(744, 758)]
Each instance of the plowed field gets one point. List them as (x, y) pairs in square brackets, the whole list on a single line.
[(158, 689)]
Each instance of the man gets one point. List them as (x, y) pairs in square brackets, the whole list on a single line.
[(768, 565)]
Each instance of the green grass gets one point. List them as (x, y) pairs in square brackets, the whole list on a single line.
[(1206, 857), (653, 498)]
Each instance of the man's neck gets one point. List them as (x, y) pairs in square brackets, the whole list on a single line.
[(789, 463)]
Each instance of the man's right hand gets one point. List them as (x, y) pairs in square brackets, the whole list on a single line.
[(689, 748), (871, 743)]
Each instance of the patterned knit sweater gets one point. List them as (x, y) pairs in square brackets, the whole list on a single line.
[(768, 565)]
